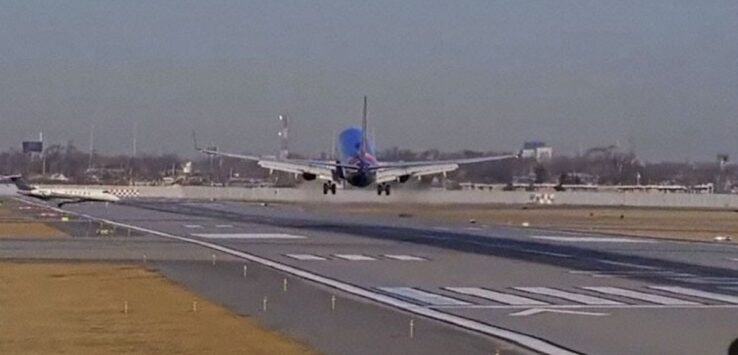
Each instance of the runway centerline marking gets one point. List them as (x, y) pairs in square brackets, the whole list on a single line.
[(576, 297), (192, 226), (424, 297), (620, 263), (697, 293), (592, 239), (402, 257), (547, 253), (248, 236), (354, 257), (498, 297), (305, 257), (534, 311), (657, 299)]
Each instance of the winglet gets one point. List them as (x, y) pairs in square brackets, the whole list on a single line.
[(364, 141), (194, 141)]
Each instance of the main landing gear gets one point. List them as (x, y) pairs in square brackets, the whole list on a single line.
[(329, 187), (386, 188)]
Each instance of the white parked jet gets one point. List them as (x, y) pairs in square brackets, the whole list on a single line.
[(358, 164), (64, 195)]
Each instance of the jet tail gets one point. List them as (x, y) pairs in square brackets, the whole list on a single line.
[(364, 136), (20, 183)]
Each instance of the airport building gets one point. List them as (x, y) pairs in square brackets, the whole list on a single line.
[(537, 150)]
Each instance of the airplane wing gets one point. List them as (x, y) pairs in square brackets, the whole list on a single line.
[(324, 170), (388, 172), (320, 172)]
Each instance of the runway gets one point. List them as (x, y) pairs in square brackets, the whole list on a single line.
[(548, 291)]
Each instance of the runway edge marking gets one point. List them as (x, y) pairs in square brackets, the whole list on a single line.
[(524, 340)]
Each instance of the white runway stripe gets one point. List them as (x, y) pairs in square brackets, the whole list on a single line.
[(305, 257), (576, 297), (354, 257), (223, 226), (592, 239), (640, 296), (402, 257), (635, 266), (428, 298), (192, 226), (697, 293), (547, 253), (248, 236), (498, 297), (720, 281)]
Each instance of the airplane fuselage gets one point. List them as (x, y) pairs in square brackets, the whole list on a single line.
[(350, 141), (70, 194)]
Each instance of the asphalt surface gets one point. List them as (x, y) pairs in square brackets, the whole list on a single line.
[(562, 292)]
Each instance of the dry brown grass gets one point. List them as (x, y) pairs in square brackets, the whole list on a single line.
[(14, 223), (78, 309), (658, 223), (28, 230)]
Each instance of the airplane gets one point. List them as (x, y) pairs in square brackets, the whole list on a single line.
[(358, 165), (65, 195)]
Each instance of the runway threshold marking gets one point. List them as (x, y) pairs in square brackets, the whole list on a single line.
[(592, 239), (576, 297), (305, 257), (657, 299), (248, 236), (424, 297), (697, 293), (499, 297), (524, 340)]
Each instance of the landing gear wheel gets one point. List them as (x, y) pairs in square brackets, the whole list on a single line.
[(325, 189), (379, 190), (333, 189), (387, 190)]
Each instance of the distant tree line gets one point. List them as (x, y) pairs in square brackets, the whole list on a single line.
[(600, 165)]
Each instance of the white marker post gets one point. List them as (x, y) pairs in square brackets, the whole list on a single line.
[(264, 304), (333, 303), (412, 328), (213, 259), (144, 259), (194, 306), (125, 307), (245, 271), (284, 285)]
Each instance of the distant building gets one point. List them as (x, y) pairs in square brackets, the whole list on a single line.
[(537, 150)]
